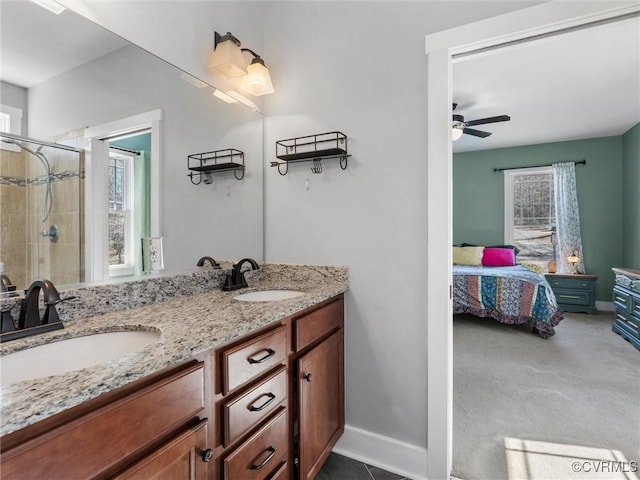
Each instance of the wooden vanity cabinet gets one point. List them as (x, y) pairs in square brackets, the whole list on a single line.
[(268, 406), (279, 397), (318, 380), (152, 428), (179, 458), (251, 406)]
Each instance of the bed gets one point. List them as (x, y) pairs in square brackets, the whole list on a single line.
[(509, 294)]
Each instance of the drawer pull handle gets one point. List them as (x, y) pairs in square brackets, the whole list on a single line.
[(569, 296), (272, 452), (253, 408), (307, 377), (632, 325), (207, 455), (620, 299), (270, 353)]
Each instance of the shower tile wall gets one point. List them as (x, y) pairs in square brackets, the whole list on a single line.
[(28, 255), (13, 210), (58, 261)]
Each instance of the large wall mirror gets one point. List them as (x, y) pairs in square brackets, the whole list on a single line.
[(128, 121)]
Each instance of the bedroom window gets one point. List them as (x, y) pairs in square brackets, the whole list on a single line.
[(530, 215)]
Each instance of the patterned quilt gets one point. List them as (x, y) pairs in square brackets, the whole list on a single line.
[(513, 295)]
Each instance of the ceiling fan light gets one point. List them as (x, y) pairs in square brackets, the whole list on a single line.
[(456, 132)]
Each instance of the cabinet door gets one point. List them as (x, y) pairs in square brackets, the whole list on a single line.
[(320, 376), (183, 458)]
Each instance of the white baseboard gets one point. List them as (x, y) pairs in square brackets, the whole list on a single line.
[(383, 452), (605, 306)]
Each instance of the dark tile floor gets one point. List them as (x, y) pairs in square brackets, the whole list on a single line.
[(338, 467)]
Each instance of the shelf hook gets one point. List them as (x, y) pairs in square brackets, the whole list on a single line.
[(191, 175), (286, 170)]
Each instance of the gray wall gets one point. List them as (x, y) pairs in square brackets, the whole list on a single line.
[(360, 67)]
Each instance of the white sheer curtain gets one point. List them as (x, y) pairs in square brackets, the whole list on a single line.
[(567, 218)]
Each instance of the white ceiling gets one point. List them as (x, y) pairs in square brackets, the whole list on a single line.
[(37, 44), (583, 84)]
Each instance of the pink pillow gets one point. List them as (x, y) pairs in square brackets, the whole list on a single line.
[(498, 257)]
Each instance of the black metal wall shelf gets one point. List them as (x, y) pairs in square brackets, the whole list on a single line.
[(204, 164), (313, 148)]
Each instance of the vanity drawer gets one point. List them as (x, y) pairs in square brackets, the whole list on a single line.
[(260, 457), (242, 413), (97, 442), (318, 323), (252, 358)]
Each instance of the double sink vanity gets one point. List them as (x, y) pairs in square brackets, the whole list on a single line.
[(201, 383)]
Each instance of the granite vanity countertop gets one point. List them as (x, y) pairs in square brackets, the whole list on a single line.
[(188, 326)]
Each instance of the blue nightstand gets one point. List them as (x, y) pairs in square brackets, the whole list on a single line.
[(574, 292)]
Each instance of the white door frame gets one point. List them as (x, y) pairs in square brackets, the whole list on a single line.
[(440, 47), (97, 187)]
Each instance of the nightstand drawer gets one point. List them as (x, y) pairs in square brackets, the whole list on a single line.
[(571, 283), (573, 297)]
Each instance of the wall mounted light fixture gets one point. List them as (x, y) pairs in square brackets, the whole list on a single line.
[(228, 59)]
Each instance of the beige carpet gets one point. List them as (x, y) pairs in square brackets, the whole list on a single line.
[(580, 387)]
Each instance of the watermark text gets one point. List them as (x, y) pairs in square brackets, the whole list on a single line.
[(604, 466)]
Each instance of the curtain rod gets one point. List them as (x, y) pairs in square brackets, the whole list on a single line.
[(579, 162), (122, 149)]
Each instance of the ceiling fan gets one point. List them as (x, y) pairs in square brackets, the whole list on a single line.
[(459, 126)]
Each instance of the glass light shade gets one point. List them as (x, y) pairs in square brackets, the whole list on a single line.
[(257, 81), (227, 59), (456, 133)]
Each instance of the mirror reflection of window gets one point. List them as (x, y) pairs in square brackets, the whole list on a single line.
[(120, 213), (129, 202)]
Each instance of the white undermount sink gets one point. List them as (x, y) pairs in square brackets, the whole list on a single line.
[(268, 295), (72, 354)]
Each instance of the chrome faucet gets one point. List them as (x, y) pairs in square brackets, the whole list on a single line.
[(213, 263), (236, 280)]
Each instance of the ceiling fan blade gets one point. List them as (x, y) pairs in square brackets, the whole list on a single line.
[(482, 121), (476, 133)]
